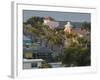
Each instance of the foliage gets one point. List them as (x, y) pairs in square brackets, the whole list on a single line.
[(34, 20), (52, 36), (76, 56), (77, 53), (86, 26), (45, 65)]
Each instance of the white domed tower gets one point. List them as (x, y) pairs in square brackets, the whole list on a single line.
[(68, 27)]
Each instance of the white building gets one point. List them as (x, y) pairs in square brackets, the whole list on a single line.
[(28, 63), (68, 27), (50, 22)]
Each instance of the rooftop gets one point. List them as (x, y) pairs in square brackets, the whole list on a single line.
[(33, 60)]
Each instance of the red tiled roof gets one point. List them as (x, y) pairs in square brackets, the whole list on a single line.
[(79, 31)]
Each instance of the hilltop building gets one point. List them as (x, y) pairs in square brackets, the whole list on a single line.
[(80, 32), (68, 27), (49, 21)]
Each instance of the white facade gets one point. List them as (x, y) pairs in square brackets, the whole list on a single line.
[(68, 27), (27, 63), (51, 24)]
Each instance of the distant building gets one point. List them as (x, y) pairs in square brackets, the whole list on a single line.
[(27, 53), (27, 47), (35, 50), (80, 32), (32, 63), (27, 42), (43, 53), (68, 27), (49, 21)]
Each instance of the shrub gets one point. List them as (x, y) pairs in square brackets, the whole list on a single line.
[(76, 56)]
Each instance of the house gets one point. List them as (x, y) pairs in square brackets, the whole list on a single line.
[(35, 50), (43, 53), (32, 63), (49, 21), (27, 53), (80, 32), (27, 47), (27, 42)]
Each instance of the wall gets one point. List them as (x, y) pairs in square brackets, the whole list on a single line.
[(5, 38)]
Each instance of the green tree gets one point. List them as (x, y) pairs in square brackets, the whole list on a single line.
[(35, 20), (86, 26), (76, 56)]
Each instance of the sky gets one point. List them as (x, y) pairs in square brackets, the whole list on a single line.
[(58, 16)]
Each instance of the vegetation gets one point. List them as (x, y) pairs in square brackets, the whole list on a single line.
[(45, 65), (76, 54), (34, 21), (86, 26), (53, 37)]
